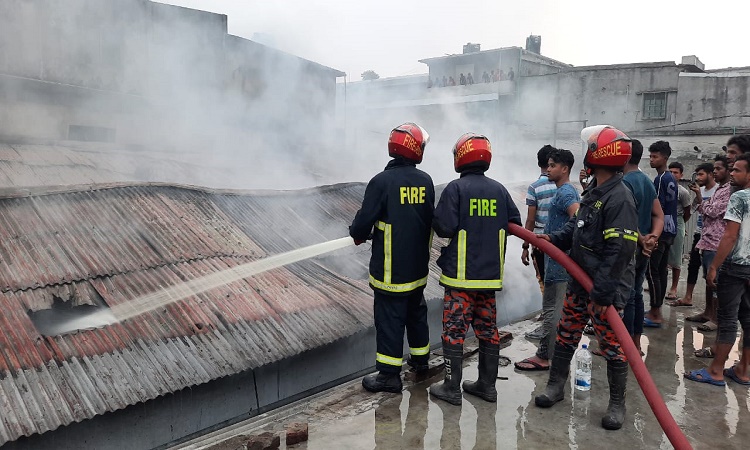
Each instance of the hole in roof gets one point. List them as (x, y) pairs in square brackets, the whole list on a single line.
[(64, 317)]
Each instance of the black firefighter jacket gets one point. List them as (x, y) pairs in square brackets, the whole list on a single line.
[(399, 204), (474, 212), (602, 238)]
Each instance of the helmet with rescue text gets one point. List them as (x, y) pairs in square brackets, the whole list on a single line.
[(606, 146), (472, 151), (408, 141)]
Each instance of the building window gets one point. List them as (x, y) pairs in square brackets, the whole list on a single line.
[(655, 105)]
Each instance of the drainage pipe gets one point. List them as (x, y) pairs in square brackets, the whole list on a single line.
[(667, 422)]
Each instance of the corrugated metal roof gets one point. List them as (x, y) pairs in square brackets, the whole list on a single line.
[(109, 245), (112, 245)]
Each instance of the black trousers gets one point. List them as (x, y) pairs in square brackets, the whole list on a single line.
[(694, 265), (393, 313), (734, 303), (657, 274), (538, 256)]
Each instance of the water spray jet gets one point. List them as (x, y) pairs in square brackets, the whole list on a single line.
[(175, 293)]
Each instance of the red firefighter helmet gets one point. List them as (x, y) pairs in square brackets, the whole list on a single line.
[(408, 141), (472, 150), (606, 146)]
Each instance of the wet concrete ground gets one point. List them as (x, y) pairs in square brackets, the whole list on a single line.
[(347, 417)]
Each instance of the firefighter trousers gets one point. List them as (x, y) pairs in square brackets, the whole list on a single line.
[(393, 313), (462, 309), (577, 309)]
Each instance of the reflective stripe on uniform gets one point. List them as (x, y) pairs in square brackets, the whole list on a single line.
[(471, 284), (420, 351), (461, 264), (384, 359), (460, 281), (403, 287), (502, 254), (630, 235), (386, 228)]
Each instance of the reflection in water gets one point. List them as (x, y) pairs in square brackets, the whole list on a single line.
[(388, 422), (579, 416), (387, 426), (677, 404), (415, 426), (639, 422), (451, 435), (523, 419), (698, 340), (731, 417), (486, 429)]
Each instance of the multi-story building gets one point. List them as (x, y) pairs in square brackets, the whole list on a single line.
[(548, 101)]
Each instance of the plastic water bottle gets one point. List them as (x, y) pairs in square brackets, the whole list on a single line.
[(583, 368)]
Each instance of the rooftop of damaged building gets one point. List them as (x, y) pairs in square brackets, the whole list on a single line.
[(102, 245)]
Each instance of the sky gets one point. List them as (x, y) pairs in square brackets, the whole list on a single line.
[(391, 36)]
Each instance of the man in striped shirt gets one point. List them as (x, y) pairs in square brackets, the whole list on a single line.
[(538, 199)]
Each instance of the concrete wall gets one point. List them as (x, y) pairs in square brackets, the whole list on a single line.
[(206, 407), (613, 96), (157, 74), (706, 99), (562, 100)]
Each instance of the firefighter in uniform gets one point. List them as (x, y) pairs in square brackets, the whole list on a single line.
[(474, 212), (399, 204), (602, 239)]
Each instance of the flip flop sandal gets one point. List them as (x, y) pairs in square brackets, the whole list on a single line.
[(708, 326), (705, 352), (535, 366), (670, 297), (679, 302), (702, 376), (648, 323), (734, 377)]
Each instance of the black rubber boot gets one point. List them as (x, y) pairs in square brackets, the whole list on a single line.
[(383, 382), (617, 375), (558, 375), (419, 364), (489, 356), (450, 389)]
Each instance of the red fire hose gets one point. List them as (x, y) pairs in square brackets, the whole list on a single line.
[(667, 422)]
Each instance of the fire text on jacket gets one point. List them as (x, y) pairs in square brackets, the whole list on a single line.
[(412, 195), (483, 207)]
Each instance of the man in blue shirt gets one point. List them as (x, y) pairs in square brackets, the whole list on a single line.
[(650, 225), (538, 198), (564, 205), (666, 191)]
